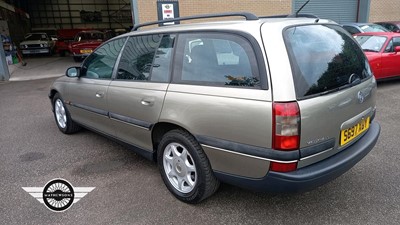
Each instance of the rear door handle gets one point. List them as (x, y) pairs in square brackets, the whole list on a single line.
[(99, 94), (148, 101)]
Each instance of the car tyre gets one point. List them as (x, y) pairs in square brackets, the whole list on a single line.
[(185, 168), (62, 116)]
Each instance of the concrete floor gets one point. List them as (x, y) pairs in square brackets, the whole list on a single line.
[(40, 67), (129, 189)]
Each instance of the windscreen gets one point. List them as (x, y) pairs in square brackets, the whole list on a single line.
[(371, 43), (324, 59), (35, 37), (89, 36)]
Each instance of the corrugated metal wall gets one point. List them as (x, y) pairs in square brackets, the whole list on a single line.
[(341, 11)]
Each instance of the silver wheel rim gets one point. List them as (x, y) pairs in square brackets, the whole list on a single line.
[(61, 116), (180, 168)]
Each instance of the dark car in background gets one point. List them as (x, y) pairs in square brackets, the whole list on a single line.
[(393, 26), (86, 42), (383, 53), (355, 28)]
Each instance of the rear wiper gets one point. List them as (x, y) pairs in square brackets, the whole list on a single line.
[(353, 83)]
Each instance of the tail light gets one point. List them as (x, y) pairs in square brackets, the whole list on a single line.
[(286, 126), (286, 132)]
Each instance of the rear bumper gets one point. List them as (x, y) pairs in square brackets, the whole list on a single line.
[(312, 176)]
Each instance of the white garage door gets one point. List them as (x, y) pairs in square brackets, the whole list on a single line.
[(341, 11)]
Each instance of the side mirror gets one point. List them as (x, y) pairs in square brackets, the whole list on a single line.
[(397, 49), (73, 72)]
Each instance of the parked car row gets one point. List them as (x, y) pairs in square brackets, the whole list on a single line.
[(381, 44), (77, 42), (389, 26)]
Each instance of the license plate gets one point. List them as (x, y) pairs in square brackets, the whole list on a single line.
[(86, 51), (350, 133)]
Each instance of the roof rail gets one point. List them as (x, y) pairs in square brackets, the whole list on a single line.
[(247, 15), (290, 16)]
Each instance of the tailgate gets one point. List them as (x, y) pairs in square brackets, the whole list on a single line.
[(334, 88)]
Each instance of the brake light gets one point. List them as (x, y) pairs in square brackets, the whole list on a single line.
[(286, 126)]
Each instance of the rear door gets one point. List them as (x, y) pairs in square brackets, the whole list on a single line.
[(219, 94), (136, 95), (87, 94), (334, 87)]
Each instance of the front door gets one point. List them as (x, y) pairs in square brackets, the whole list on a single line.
[(391, 59), (88, 93)]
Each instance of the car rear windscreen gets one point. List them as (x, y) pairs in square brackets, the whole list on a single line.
[(324, 59)]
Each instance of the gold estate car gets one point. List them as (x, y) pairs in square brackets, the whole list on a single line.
[(270, 104)]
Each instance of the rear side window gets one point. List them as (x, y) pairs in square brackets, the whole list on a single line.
[(324, 59), (216, 59)]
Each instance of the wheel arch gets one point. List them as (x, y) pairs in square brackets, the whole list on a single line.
[(52, 93), (158, 131)]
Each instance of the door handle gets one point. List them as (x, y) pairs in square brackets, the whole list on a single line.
[(99, 94), (147, 101)]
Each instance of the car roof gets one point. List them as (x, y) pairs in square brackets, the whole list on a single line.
[(239, 25), (387, 34), (394, 22), (357, 24)]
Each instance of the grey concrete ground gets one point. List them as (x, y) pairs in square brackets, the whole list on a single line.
[(40, 67), (129, 189)]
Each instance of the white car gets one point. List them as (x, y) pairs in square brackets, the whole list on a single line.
[(37, 43)]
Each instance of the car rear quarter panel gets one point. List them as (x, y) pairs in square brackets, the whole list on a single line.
[(231, 114)]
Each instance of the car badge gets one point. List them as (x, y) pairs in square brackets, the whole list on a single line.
[(360, 97)]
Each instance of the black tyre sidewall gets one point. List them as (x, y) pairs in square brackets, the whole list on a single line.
[(198, 191)]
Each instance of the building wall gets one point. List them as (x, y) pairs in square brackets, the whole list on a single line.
[(66, 14), (384, 10), (148, 8)]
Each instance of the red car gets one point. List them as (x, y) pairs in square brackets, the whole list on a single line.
[(86, 42), (383, 52), (64, 38)]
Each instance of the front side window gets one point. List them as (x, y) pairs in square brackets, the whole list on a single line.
[(392, 44), (389, 47), (100, 64), (396, 42), (217, 59), (324, 59), (146, 58)]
